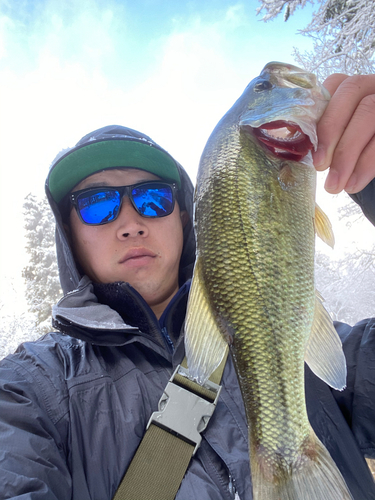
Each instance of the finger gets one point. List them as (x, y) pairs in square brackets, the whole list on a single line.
[(319, 156), (334, 81), (347, 94), (351, 165), (364, 171)]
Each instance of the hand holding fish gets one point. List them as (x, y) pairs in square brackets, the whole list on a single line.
[(346, 133)]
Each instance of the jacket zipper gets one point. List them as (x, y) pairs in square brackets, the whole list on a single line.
[(167, 339)]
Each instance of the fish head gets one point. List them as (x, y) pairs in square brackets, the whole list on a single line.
[(283, 106)]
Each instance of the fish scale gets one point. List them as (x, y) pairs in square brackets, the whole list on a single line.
[(253, 283), (230, 262)]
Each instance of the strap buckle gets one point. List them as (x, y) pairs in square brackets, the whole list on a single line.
[(185, 407)]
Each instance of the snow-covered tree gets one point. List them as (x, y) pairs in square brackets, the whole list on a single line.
[(15, 329), (41, 274), (347, 285), (343, 34)]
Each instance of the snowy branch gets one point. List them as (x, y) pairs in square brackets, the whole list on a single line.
[(343, 32)]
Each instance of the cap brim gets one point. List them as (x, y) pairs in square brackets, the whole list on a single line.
[(86, 160)]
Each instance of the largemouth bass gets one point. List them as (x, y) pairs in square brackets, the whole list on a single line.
[(253, 285)]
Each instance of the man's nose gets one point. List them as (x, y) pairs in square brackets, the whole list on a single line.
[(129, 222)]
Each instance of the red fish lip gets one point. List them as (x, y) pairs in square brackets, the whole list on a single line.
[(135, 253), (284, 139)]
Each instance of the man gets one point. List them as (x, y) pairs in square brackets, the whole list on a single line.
[(74, 405)]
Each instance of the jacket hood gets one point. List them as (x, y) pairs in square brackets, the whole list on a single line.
[(69, 273)]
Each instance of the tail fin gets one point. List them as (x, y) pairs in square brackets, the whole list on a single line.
[(312, 476)]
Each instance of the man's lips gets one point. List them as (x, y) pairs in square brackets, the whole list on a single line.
[(135, 254)]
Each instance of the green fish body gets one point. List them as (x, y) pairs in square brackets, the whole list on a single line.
[(253, 285)]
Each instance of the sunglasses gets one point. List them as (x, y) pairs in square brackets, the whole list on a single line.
[(100, 205)]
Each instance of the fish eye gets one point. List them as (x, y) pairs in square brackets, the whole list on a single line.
[(263, 85)]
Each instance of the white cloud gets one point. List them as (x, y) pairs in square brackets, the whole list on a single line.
[(71, 67), (236, 15)]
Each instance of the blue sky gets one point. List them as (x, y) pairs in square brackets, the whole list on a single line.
[(97, 34), (168, 68)]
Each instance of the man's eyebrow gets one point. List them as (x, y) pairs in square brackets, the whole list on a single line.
[(97, 184)]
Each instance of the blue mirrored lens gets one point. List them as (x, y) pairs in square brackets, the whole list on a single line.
[(153, 201), (99, 207)]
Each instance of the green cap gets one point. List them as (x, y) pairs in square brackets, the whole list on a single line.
[(109, 147)]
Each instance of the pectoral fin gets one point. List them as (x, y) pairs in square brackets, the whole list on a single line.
[(323, 227), (324, 353), (205, 345)]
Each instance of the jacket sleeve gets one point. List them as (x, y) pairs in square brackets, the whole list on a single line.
[(366, 200), (32, 457), (357, 401)]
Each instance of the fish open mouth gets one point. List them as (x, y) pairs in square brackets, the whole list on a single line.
[(284, 139)]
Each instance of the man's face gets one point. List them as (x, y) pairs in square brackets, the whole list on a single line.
[(144, 252)]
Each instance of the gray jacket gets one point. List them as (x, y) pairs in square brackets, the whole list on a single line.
[(74, 404)]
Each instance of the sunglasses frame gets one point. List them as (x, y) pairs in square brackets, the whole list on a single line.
[(123, 191)]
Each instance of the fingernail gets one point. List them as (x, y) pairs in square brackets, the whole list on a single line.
[(332, 181), (351, 184)]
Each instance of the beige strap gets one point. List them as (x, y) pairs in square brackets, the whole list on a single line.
[(157, 468), (161, 460)]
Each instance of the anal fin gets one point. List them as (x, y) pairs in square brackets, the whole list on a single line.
[(324, 353)]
